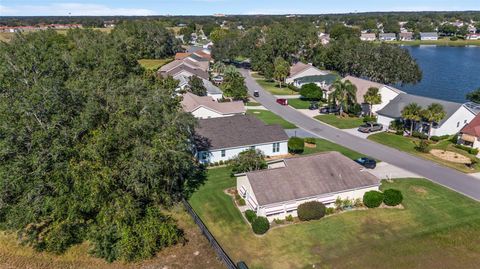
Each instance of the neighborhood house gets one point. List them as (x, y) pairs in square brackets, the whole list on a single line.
[(388, 37), (368, 37), (204, 107), (212, 90), (470, 134), (429, 36), (278, 191), (221, 139), (406, 36), (300, 70)]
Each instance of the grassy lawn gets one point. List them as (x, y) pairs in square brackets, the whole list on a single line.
[(153, 64), (272, 86), (437, 229), (270, 118), (407, 144), (252, 103), (325, 145), (340, 122), (299, 103)]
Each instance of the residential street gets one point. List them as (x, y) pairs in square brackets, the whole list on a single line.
[(450, 178)]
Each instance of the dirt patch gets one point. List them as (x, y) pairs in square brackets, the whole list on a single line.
[(450, 156), (312, 146), (419, 190)]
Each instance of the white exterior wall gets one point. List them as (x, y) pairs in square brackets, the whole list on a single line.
[(455, 123), (267, 149), (429, 38), (205, 113), (216, 96), (245, 190), (387, 96), (384, 120), (312, 71)]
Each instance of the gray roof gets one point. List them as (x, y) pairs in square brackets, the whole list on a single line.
[(388, 35), (198, 58), (429, 34), (309, 176), (211, 89), (238, 131), (329, 79), (193, 48), (395, 107)]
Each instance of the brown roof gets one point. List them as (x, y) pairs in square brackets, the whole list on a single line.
[(363, 85), (181, 55), (298, 68), (191, 102), (185, 62), (238, 131), (197, 72), (473, 128), (309, 176), (203, 54)]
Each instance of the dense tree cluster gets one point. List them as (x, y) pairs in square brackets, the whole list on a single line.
[(92, 148)]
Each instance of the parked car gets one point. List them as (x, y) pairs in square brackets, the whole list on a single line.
[(282, 101), (367, 162), (256, 93), (313, 106), (329, 109), (369, 127)]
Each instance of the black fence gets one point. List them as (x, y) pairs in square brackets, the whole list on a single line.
[(215, 245)]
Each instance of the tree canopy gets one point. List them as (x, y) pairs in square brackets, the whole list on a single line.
[(196, 86), (311, 91)]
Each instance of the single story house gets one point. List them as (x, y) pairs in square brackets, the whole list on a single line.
[(429, 36), (221, 139), (322, 81), (368, 37), (457, 114), (185, 71), (388, 37), (277, 192), (470, 134), (387, 93), (324, 38), (472, 37), (188, 62), (406, 36), (212, 90), (205, 107), (300, 69)]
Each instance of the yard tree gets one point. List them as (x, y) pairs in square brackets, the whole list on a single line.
[(234, 84), (281, 70), (248, 160), (434, 113), (413, 113), (218, 67), (311, 91), (372, 97), (92, 147), (474, 96), (196, 86), (343, 95)]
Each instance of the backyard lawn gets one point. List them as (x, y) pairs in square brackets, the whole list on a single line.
[(340, 122), (272, 86), (437, 229), (153, 64), (407, 144), (270, 118)]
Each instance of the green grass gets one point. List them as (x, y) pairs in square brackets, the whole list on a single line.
[(437, 229), (272, 86), (253, 104), (407, 144), (153, 64), (270, 118), (299, 103), (340, 122), (323, 145)]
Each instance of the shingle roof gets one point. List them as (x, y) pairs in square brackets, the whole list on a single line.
[(363, 85), (429, 34), (395, 107), (191, 102), (329, 79), (197, 72), (309, 176), (239, 130), (473, 128), (388, 35), (300, 67)]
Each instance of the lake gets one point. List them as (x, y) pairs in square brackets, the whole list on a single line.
[(449, 73)]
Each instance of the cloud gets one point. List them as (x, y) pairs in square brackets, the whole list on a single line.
[(72, 9)]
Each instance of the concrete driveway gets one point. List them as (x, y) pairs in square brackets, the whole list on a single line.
[(388, 171)]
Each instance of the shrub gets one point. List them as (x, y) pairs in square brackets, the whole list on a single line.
[(250, 215), (399, 132), (296, 144), (372, 199), (347, 203), (310, 140), (241, 202), (311, 91), (396, 125), (369, 118), (338, 203), (311, 210), (419, 135), (278, 221), (293, 88), (329, 210), (248, 160), (354, 110), (435, 138), (453, 38), (392, 197), (357, 202), (289, 218), (237, 196), (454, 139), (220, 162), (422, 146), (470, 150), (260, 225), (443, 137)]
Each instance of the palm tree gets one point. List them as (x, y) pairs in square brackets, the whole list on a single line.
[(433, 113), (413, 113), (344, 94), (218, 67), (372, 97)]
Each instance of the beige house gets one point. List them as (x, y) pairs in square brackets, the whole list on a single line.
[(277, 192), (204, 107), (300, 70), (368, 37)]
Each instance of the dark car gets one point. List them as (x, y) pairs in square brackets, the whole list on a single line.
[(329, 110), (313, 106), (369, 127), (282, 101), (256, 93), (367, 162)]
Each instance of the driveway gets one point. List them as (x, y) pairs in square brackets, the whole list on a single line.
[(387, 171), (460, 182)]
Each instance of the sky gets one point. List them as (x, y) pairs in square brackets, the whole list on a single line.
[(209, 7)]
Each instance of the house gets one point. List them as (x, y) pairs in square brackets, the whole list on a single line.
[(406, 36), (322, 81), (221, 139), (472, 37), (212, 90), (387, 93), (205, 107), (470, 134), (388, 37), (457, 114), (368, 37), (300, 69), (277, 192), (429, 36), (324, 38), (186, 67)]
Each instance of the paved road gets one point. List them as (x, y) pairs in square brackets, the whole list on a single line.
[(450, 178)]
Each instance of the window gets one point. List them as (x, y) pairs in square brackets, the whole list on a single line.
[(204, 155), (276, 147), (223, 153), (252, 147), (458, 124), (465, 122)]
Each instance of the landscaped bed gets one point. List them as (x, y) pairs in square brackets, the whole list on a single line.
[(269, 117), (341, 122), (436, 228)]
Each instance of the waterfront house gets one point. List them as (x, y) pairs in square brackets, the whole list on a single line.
[(472, 37), (470, 134), (406, 36), (300, 69), (429, 36), (368, 37), (205, 107), (388, 37)]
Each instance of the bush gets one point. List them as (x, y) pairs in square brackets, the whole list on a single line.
[(419, 135), (310, 140), (260, 225), (329, 210), (443, 137), (293, 88), (220, 162), (396, 125), (311, 91), (338, 203), (372, 199), (435, 138), (354, 110), (250, 215), (454, 139), (296, 145), (248, 160), (392, 197), (369, 118), (357, 202), (311, 210), (422, 146), (278, 221), (399, 132), (470, 150), (289, 218), (453, 38), (241, 202)]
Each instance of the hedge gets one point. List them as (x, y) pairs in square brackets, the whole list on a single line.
[(310, 140), (392, 197), (311, 210), (260, 225), (372, 199), (250, 215), (470, 150), (296, 145)]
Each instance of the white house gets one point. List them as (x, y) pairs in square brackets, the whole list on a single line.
[(205, 107), (388, 37), (277, 192), (457, 114), (221, 139), (300, 69), (470, 134), (212, 90), (322, 81), (429, 36), (472, 37), (368, 37)]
